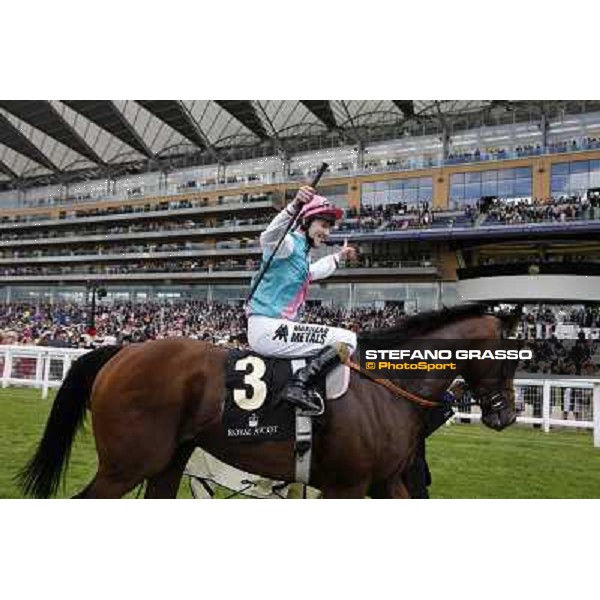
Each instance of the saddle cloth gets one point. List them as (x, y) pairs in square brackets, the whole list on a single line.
[(254, 383)]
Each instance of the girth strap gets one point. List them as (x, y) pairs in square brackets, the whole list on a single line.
[(303, 446)]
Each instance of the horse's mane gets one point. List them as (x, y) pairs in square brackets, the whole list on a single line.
[(422, 323)]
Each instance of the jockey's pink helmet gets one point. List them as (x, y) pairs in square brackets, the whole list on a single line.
[(319, 207)]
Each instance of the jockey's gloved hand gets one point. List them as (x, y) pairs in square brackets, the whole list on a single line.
[(348, 252), (304, 195)]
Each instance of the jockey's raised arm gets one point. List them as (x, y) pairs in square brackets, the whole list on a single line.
[(281, 294), (270, 237)]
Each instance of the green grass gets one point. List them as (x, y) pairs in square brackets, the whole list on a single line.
[(472, 461), (466, 461), (23, 416)]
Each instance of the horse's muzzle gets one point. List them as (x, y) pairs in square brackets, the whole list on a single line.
[(499, 420)]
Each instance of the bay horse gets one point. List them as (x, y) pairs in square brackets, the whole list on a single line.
[(152, 403)]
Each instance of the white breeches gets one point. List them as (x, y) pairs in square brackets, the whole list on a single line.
[(288, 339)]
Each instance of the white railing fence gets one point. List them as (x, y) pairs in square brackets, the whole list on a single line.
[(548, 403), (41, 367), (545, 403)]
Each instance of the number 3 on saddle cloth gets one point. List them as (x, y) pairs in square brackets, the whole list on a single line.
[(254, 409)]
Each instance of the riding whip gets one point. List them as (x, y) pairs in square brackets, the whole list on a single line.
[(313, 184)]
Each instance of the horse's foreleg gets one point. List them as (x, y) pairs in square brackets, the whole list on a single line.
[(166, 483)]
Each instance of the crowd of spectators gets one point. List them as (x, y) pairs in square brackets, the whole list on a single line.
[(523, 151), (65, 324), (479, 154), (176, 265), (540, 322), (143, 226), (496, 211), (131, 267), (385, 217), (540, 329), (244, 198), (556, 210), (388, 217), (132, 248), (563, 357)]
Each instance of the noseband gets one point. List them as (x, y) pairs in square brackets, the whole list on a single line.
[(495, 402)]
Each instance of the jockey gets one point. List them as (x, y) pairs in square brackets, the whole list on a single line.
[(273, 329)]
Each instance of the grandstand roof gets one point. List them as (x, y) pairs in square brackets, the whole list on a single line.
[(56, 141)]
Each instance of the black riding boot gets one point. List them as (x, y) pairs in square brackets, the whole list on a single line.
[(298, 391)]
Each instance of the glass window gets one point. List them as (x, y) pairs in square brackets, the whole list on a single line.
[(489, 176), (411, 183), (450, 295), (331, 294), (522, 172), (426, 181), (595, 179), (506, 188), (457, 192), (474, 177), (381, 185), (229, 293), (579, 181), (425, 193), (411, 195), (368, 199), (594, 165), (340, 200), (523, 187), (367, 188), (425, 295), (489, 188), (559, 184), (396, 185), (473, 190), (560, 169), (457, 178), (580, 166), (394, 196), (505, 174), (380, 198), (367, 293)]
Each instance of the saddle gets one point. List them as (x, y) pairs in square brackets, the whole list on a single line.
[(255, 412)]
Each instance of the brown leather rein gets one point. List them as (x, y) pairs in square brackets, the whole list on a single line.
[(392, 387)]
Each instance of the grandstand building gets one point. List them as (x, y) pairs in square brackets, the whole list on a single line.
[(446, 201)]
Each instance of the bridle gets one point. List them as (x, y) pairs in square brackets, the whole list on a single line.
[(495, 402)]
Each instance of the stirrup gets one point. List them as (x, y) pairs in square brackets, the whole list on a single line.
[(317, 408)]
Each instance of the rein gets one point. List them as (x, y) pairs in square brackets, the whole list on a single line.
[(392, 387)]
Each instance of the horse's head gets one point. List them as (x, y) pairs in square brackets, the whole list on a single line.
[(491, 381), (494, 392)]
